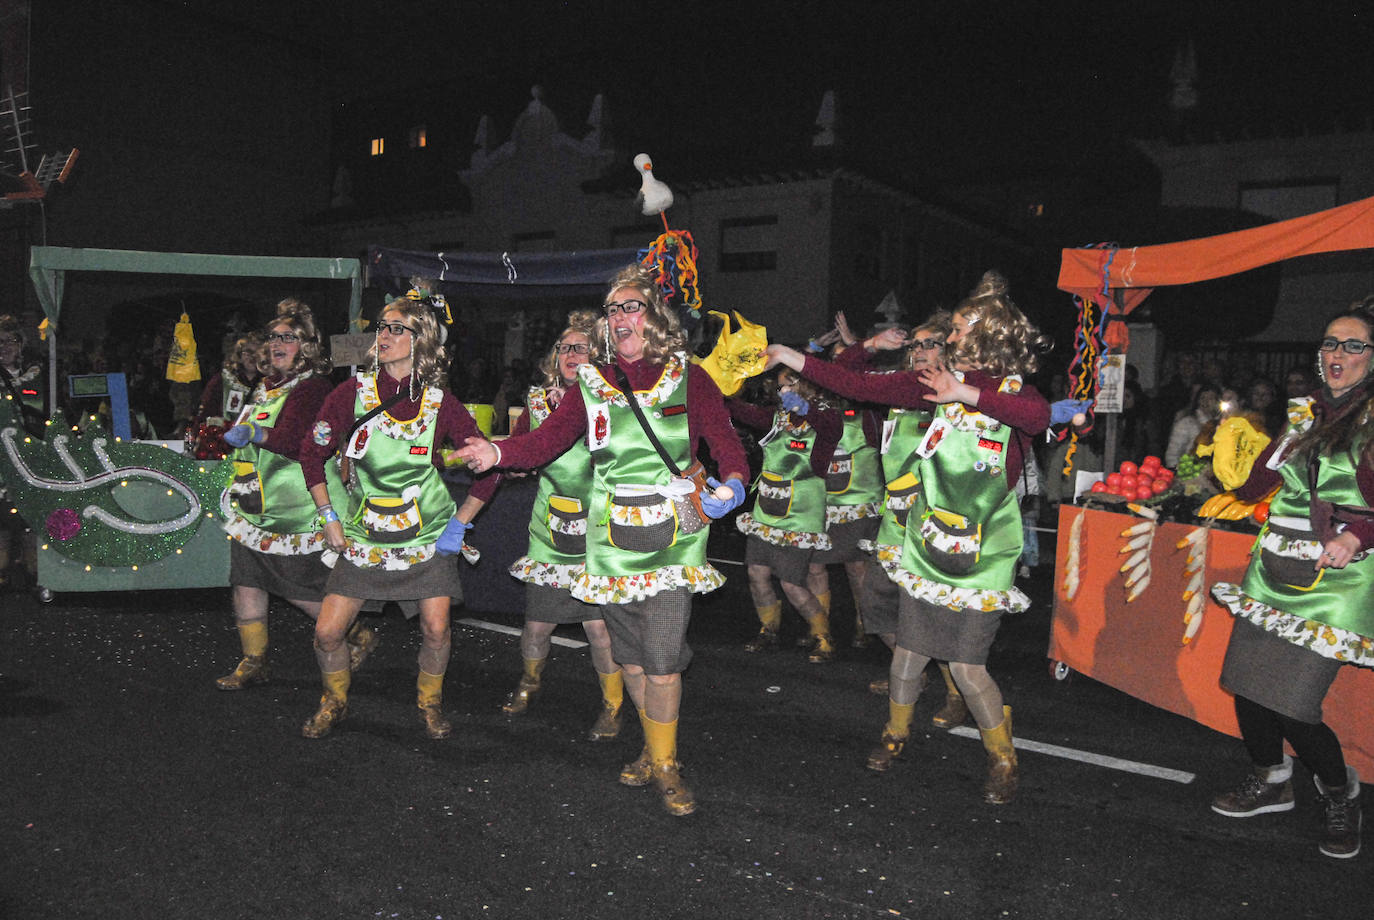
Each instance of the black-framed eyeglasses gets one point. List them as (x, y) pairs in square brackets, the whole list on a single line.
[(290, 338), (625, 306), (1349, 346), (563, 349), (394, 328), (927, 344)]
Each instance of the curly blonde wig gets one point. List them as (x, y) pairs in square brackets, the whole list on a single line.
[(1000, 340), (429, 360), (301, 321), (662, 333), (245, 346), (581, 321)]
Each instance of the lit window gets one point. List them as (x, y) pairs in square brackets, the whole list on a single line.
[(417, 136), (378, 145)]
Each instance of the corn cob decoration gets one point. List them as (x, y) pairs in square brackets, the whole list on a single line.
[(1140, 539), (1194, 567), (1073, 560)]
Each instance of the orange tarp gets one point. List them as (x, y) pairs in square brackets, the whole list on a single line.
[(1136, 270)]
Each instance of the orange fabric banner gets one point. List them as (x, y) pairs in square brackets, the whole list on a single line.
[(1138, 269)]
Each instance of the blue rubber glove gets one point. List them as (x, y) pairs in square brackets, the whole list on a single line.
[(795, 404), (1063, 411), (450, 542), (714, 507), (240, 435)]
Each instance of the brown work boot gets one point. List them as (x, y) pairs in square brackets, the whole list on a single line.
[(331, 712), (1264, 790), (1003, 771), (767, 638), (823, 651), (952, 714), (251, 670), (429, 694), (1341, 817), (607, 724), (638, 772), (889, 749), (436, 725), (518, 700), (677, 798)]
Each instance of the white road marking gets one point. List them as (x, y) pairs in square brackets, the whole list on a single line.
[(1101, 760), (511, 631)]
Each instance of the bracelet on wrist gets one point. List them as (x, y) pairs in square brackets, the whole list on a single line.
[(327, 514)]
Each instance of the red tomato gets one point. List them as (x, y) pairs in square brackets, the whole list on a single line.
[(1128, 468), (1153, 461), (1113, 479), (1098, 486), (1159, 485), (1146, 475), (1261, 512), (1166, 474), (1144, 492), (1130, 482)]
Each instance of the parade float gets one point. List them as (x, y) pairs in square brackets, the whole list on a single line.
[(1134, 561), (113, 514)]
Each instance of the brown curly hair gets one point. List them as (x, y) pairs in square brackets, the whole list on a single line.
[(582, 321), (662, 333), (301, 320), (1000, 340), (429, 361)]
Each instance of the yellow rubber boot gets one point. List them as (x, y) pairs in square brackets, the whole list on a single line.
[(1003, 774), (640, 771), (822, 646), (955, 711), (333, 705), (607, 723), (895, 735), (661, 739), (429, 693), (770, 618), (518, 700), (253, 668)]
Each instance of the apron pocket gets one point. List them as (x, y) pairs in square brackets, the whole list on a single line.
[(391, 520), (774, 496), (839, 474), (246, 488), (952, 542), (901, 495), (642, 523), (567, 525)]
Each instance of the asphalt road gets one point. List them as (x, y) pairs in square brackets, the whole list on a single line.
[(132, 788)]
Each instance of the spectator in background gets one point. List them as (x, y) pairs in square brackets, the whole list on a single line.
[(1298, 382), (1262, 399), (1205, 407)]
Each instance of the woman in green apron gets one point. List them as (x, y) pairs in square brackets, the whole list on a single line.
[(223, 399), (558, 542), (395, 530), (963, 536), (646, 553), (787, 525), (1304, 607), (275, 542)]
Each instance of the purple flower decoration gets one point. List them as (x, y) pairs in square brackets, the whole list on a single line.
[(63, 524)]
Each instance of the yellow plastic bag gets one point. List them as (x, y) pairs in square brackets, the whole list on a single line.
[(182, 364), (1233, 450), (737, 355)]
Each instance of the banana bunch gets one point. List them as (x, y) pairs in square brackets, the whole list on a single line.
[(1225, 507), (1140, 539)]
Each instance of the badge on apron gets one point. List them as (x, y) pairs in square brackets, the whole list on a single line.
[(598, 427), (931, 442), (235, 402)]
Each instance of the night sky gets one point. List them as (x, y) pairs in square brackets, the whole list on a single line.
[(955, 87)]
